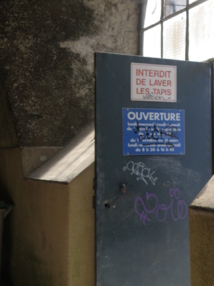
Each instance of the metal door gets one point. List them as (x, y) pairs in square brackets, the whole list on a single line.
[(153, 156)]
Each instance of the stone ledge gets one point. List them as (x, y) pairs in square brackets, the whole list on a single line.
[(70, 161), (205, 199)]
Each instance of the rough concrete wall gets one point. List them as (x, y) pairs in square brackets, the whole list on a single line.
[(49, 235), (201, 229), (7, 130), (46, 61), (82, 230), (36, 229), (201, 236)]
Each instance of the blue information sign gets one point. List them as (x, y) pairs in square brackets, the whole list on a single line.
[(153, 131)]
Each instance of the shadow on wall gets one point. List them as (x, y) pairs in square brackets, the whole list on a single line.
[(46, 62), (5, 236)]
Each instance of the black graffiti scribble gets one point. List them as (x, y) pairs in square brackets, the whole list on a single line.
[(155, 133), (156, 97)]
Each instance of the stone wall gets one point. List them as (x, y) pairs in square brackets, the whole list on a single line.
[(46, 62)]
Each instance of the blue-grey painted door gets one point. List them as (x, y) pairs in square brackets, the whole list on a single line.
[(153, 156)]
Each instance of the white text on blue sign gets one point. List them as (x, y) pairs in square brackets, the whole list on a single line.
[(153, 131)]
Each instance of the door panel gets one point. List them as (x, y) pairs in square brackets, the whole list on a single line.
[(142, 197)]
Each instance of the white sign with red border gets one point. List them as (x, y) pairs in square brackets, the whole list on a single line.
[(151, 82)]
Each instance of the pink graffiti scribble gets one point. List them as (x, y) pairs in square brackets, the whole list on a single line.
[(161, 210)]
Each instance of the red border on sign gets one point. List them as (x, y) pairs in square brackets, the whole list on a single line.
[(175, 83)]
